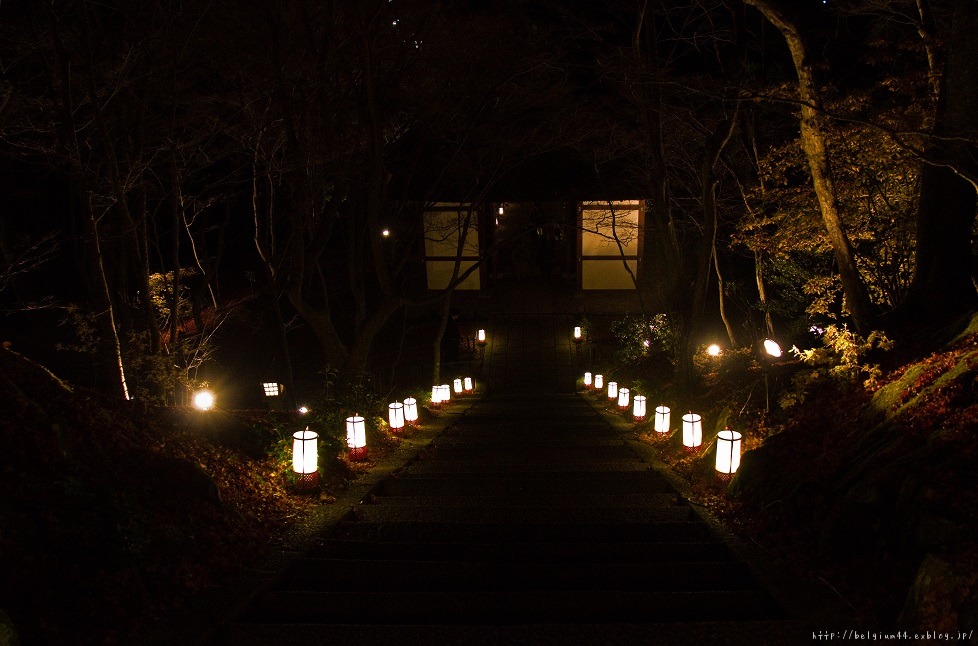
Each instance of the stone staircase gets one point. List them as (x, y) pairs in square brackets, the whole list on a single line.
[(529, 521)]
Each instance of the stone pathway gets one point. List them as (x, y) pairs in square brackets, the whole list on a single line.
[(530, 520)]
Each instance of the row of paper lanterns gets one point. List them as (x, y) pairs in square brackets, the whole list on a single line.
[(728, 441)]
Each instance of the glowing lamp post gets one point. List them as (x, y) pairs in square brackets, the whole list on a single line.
[(578, 334), (623, 395), (305, 458), (692, 431), (468, 386), (204, 400), (411, 411), (458, 386), (662, 421), (773, 351), (395, 416), (481, 337), (638, 410), (612, 390), (588, 381), (728, 452), (356, 437), (599, 382)]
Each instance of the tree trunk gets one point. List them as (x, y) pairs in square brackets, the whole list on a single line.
[(814, 144), (721, 287), (762, 292), (106, 295)]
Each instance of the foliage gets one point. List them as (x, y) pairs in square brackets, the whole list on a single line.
[(639, 336), (842, 358)]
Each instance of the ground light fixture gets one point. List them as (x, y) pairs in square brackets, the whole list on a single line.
[(692, 431), (612, 390), (356, 437), (599, 382), (623, 397), (713, 350), (588, 381), (204, 400), (395, 416), (305, 458), (303, 410), (385, 233), (662, 415), (638, 410), (458, 386), (468, 386), (772, 348), (728, 451), (480, 337), (578, 334), (411, 411)]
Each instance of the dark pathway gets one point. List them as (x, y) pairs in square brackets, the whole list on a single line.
[(529, 521)]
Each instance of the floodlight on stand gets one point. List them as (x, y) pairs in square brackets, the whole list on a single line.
[(411, 411), (305, 458), (395, 416), (692, 431), (772, 348), (356, 437), (638, 410), (204, 400), (728, 451), (623, 397), (662, 419)]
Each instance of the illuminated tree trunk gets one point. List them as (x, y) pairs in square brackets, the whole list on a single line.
[(814, 144)]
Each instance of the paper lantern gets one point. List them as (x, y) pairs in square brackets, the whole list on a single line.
[(599, 382), (662, 415), (623, 394), (446, 393), (481, 337), (578, 334), (587, 380), (692, 431), (612, 390), (458, 386), (395, 416), (204, 400), (305, 458), (638, 411), (411, 411), (356, 437), (468, 386), (435, 396), (728, 451)]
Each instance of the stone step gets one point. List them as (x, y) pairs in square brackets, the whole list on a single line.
[(502, 483), (536, 499), (514, 466), (347, 575), (510, 607), (717, 633), (527, 552), (382, 513), (421, 531)]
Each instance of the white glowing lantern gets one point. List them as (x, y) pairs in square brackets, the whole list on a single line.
[(395, 416), (446, 393), (623, 395), (356, 436), (612, 390), (638, 410), (662, 419), (411, 411), (713, 350), (272, 389), (468, 386), (578, 334), (500, 210), (458, 386), (599, 382), (305, 452), (772, 348), (204, 400), (587, 380), (728, 451), (436, 396), (692, 430), (481, 337)]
